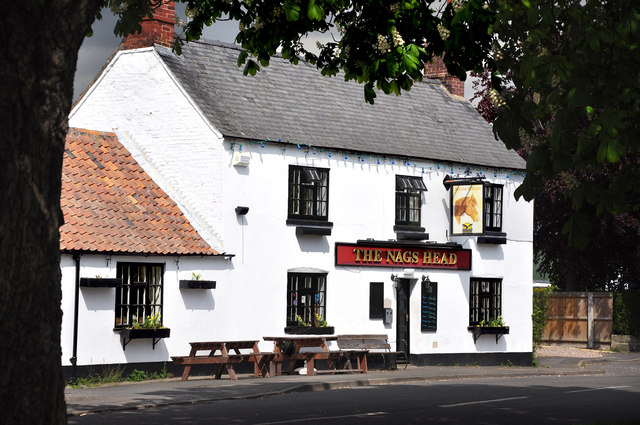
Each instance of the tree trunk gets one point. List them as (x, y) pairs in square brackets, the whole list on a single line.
[(40, 43)]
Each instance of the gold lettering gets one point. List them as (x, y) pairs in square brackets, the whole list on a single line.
[(378, 256), (415, 257), (453, 259), (357, 252), (368, 255), (406, 256), (391, 257), (436, 257), (444, 259), (426, 259)]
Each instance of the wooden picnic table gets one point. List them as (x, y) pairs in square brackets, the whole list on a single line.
[(303, 349), (229, 354)]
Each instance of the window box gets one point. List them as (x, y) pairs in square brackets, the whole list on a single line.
[(495, 238), (309, 330), (197, 284), (156, 334), (96, 282), (498, 331)]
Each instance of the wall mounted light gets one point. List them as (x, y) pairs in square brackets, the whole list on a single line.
[(242, 210)]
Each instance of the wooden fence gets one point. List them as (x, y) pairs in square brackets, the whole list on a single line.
[(581, 319)]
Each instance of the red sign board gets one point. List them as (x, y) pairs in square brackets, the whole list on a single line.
[(406, 257)]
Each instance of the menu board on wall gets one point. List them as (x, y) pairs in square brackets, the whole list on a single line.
[(429, 306)]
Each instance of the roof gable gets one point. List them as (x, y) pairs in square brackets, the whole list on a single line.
[(110, 204), (296, 104)]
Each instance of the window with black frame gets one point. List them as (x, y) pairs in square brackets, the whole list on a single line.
[(140, 294), (485, 300), (493, 207), (306, 293), (308, 193), (409, 200)]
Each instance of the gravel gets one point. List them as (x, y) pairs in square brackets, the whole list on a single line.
[(564, 351)]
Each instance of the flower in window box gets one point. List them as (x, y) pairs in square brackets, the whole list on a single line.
[(495, 323), (153, 321)]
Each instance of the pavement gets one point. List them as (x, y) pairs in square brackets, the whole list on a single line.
[(173, 391)]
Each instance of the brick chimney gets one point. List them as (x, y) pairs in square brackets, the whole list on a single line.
[(438, 71), (158, 30)]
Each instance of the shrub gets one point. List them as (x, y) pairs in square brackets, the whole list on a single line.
[(626, 313), (540, 314)]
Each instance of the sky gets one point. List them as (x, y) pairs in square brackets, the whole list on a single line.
[(96, 50)]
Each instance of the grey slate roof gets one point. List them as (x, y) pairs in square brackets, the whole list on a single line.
[(297, 104)]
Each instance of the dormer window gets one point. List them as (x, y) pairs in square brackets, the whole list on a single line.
[(308, 193), (493, 207), (409, 200)]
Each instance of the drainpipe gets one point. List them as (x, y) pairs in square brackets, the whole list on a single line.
[(74, 358)]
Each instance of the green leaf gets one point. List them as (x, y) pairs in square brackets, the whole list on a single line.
[(589, 109), (315, 12), (410, 62), (242, 57), (251, 68), (369, 93), (292, 11), (610, 151)]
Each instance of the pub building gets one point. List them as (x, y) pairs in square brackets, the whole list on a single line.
[(320, 213)]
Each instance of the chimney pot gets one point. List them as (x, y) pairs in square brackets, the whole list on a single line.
[(158, 30), (437, 70)]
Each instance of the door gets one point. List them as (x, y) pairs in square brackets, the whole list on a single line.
[(402, 322)]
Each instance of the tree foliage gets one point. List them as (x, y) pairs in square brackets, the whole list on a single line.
[(608, 259), (382, 44), (563, 72), (576, 106)]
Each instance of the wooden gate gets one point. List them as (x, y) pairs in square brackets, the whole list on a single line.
[(581, 319)]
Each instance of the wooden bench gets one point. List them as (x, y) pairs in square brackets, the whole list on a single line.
[(310, 349), (348, 356), (374, 344), (225, 360)]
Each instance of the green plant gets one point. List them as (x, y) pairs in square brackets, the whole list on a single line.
[(137, 375), (109, 374), (153, 321), (163, 374), (540, 314), (301, 322), (317, 321), (494, 323), (509, 364), (320, 322), (626, 313), (196, 276)]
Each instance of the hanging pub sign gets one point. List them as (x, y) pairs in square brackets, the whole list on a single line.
[(467, 209), (406, 257)]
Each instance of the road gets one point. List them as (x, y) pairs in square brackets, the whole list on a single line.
[(533, 400)]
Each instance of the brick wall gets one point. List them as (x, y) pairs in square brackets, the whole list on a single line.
[(158, 31), (438, 71)]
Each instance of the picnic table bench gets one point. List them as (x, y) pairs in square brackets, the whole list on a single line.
[(229, 355), (374, 344), (310, 349)]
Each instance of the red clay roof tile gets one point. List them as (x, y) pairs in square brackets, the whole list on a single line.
[(110, 203)]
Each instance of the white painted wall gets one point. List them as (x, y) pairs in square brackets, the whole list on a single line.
[(362, 205), (158, 123), (191, 314)]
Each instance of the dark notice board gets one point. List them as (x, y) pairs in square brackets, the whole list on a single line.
[(429, 304)]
